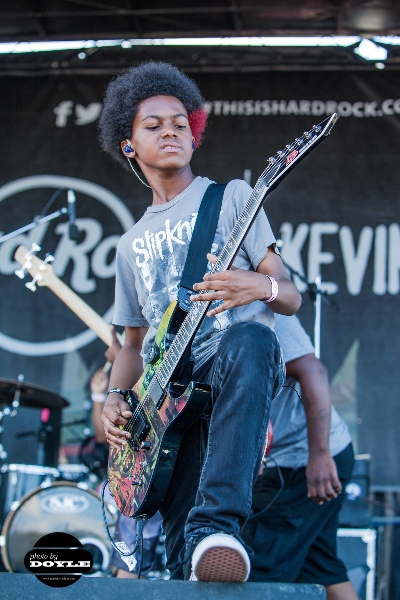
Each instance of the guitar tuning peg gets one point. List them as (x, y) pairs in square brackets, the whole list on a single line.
[(27, 264), (35, 248), (21, 272), (32, 284), (49, 258), (24, 269)]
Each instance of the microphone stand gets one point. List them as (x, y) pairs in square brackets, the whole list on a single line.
[(34, 224), (317, 295)]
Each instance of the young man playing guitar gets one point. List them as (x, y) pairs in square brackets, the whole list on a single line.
[(154, 118)]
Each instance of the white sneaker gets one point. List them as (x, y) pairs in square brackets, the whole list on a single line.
[(220, 557)]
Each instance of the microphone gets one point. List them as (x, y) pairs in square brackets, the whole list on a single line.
[(73, 233)]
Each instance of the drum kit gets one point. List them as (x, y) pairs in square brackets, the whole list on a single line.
[(36, 500)]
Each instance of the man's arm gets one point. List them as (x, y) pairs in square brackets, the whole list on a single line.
[(98, 385), (127, 369), (322, 478), (237, 287)]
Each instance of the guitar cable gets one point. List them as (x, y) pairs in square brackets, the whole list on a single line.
[(139, 535), (278, 493)]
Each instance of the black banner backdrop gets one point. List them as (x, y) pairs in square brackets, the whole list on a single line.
[(337, 215)]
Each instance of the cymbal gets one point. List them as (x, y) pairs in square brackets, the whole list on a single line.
[(32, 396)]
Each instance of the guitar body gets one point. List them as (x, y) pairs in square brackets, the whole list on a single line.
[(139, 474)]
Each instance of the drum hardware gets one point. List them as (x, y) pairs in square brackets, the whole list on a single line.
[(16, 393), (77, 473), (62, 506), (17, 480), (9, 411), (30, 395), (3, 453)]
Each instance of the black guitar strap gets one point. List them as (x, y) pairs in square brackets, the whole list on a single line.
[(196, 263), (201, 242)]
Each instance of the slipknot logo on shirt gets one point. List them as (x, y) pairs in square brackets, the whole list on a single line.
[(156, 244)]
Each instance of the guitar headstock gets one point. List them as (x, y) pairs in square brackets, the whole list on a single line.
[(285, 160), (41, 271)]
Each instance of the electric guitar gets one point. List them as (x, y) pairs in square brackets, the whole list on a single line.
[(163, 409)]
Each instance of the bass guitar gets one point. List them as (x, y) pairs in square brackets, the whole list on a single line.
[(163, 409), (43, 275)]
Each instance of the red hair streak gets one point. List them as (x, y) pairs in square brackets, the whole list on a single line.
[(197, 122)]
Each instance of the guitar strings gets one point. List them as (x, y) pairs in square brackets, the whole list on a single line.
[(247, 210)]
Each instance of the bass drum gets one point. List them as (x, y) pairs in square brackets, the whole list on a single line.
[(63, 506)]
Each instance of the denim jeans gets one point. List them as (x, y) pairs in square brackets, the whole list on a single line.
[(220, 454)]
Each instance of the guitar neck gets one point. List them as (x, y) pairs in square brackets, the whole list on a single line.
[(82, 310)]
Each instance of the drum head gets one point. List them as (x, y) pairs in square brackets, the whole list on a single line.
[(63, 507)]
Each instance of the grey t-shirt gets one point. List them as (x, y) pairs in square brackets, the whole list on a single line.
[(290, 444), (151, 257)]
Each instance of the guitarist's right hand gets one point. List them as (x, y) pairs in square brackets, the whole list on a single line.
[(115, 413), (127, 369)]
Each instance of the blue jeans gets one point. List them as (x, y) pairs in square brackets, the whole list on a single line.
[(220, 454)]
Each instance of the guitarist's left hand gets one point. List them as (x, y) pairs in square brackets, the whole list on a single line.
[(237, 287)]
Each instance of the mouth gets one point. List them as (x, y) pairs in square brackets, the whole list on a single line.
[(168, 147)]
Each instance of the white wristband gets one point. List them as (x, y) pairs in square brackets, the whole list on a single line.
[(98, 397), (274, 290)]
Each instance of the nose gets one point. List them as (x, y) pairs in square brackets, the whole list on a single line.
[(169, 132)]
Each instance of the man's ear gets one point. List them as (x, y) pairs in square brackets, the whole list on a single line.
[(127, 149)]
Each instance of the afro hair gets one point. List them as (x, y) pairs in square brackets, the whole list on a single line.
[(126, 92)]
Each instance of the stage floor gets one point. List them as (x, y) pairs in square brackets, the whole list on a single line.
[(15, 586)]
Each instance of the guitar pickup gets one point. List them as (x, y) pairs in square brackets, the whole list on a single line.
[(157, 393), (139, 431)]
